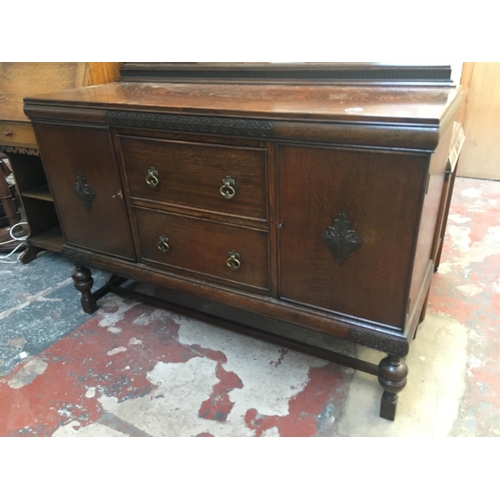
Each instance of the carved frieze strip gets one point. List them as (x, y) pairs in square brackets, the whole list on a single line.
[(200, 124), (24, 151), (379, 341), (76, 257)]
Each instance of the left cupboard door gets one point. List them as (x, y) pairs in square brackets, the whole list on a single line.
[(84, 181)]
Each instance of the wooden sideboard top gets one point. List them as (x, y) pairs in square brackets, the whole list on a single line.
[(394, 104)]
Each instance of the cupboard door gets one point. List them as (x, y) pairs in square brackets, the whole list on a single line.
[(350, 222), (85, 183)]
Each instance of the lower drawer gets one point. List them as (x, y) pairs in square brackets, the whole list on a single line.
[(211, 250)]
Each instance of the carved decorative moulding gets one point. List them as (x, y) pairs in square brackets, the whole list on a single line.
[(380, 341), (341, 239), (24, 151), (76, 257), (84, 192), (201, 124)]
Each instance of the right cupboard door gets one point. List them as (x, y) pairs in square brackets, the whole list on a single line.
[(349, 226)]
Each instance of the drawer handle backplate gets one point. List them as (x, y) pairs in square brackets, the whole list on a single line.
[(163, 244), (234, 261), (152, 177), (227, 189)]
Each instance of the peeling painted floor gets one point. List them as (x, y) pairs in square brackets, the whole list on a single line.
[(133, 370)]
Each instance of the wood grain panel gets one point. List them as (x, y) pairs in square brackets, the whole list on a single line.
[(102, 72), (203, 247), (378, 192), (19, 80), (67, 154), (480, 156), (191, 175)]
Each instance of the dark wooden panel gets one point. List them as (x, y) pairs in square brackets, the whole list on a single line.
[(379, 194), (324, 72), (191, 175), (203, 246), (70, 153)]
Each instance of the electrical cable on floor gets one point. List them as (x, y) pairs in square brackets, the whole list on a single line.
[(14, 238)]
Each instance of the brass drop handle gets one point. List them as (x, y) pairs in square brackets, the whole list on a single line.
[(234, 260), (227, 189), (152, 177), (163, 244)]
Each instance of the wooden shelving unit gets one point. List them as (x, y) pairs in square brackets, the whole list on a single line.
[(38, 205), (52, 239)]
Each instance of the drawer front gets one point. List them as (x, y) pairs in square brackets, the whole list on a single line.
[(216, 251), (17, 134), (223, 179)]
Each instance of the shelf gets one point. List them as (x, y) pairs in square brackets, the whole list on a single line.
[(39, 193), (48, 240)]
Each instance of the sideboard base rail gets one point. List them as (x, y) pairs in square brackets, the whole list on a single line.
[(391, 371)]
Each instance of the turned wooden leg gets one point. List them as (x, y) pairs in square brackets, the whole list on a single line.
[(82, 279), (392, 372)]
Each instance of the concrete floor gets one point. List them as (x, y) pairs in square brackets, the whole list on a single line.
[(133, 370)]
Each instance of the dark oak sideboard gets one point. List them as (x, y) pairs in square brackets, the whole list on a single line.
[(312, 199)]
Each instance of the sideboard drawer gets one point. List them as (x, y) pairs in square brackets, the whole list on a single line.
[(217, 251), (216, 178)]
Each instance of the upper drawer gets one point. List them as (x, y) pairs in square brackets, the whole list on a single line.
[(17, 134), (221, 179)]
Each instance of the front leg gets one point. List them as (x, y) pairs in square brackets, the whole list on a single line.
[(392, 372), (82, 279)]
